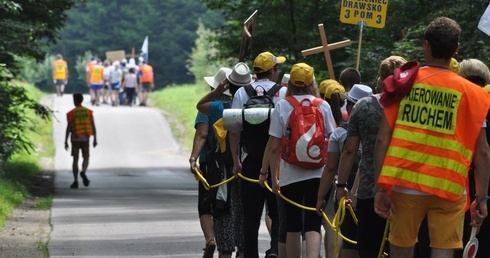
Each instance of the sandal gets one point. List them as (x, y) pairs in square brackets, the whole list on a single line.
[(209, 249)]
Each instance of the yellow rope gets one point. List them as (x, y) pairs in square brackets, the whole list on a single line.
[(335, 224)]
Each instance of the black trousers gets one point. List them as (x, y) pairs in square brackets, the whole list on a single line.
[(254, 197)]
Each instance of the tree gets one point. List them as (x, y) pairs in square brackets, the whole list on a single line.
[(27, 26), (105, 25), (198, 63), (285, 27)]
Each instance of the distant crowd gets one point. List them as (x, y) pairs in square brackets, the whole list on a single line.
[(116, 83)]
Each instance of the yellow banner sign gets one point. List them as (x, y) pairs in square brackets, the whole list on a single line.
[(371, 12), (116, 55)]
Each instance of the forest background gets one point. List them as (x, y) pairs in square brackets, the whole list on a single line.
[(191, 39)]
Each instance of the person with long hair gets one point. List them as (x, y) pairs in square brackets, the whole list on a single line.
[(297, 183)]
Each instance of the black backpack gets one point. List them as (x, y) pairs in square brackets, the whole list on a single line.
[(219, 167), (254, 137)]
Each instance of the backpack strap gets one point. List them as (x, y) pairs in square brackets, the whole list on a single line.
[(249, 90), (272, 91), (317, 102), (292, 100)]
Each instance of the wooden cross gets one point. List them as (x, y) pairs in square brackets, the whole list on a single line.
[(325, 48), (132, 55)]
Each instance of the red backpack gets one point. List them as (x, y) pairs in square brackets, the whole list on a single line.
[(304, 144)]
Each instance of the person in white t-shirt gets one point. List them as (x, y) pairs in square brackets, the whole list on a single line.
[(248, 163), (297, 183)]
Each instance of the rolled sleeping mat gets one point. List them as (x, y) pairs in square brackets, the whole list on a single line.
[(233, 118)]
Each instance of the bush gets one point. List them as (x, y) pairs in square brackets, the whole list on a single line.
[(40, 74), (14, 120)]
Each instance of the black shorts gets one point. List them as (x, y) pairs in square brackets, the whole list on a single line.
[(84, 146), (204, 196)]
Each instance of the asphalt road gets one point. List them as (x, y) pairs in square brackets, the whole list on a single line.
[(142, 199)]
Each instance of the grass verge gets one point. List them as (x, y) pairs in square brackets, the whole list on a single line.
[(179, 105), (17, 174)]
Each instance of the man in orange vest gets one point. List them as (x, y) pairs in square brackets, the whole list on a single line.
[(96, 82), (60, 74), (88, 70), (425, 144), (80, 126), (146, 81)]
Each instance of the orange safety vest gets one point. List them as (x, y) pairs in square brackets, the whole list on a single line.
[(146, 73), (435, 129), (97, 75), (90, 66), (81, 118), (60, 69)]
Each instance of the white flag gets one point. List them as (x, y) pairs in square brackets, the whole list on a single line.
[(144, 50), (484, 24)]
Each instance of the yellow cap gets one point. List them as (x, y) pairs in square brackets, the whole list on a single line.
[(301, 75), (265, 61), (487, 88), (329, 86), (454, 65)]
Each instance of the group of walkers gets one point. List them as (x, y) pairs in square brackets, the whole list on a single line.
[(414, 152), (117, 83)]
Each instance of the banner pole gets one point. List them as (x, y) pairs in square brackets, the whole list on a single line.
[(361, 25)]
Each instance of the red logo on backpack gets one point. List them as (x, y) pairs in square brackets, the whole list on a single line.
[(304, 144)]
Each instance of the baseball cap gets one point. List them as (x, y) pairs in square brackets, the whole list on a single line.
[(329, 86), (266, 61), (301, 75), (454, 65)]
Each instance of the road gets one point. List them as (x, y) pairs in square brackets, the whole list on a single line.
[(142, 199)]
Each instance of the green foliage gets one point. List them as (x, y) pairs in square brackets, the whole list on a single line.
[(181, 102), (292, 27), (44, 203), (41, 73), (38, 73), (105, 25), (14, 120), (12, 194), (15, 177), (199, 64), (17, 171), (27, 26)]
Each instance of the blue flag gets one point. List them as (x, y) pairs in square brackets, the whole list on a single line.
[(144, 50), (484, 24)]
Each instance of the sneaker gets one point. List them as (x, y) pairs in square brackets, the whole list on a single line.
[(86, 182), (74, 185), (209, 249)]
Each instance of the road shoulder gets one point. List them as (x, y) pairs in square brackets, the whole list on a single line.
[(28, 227)]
